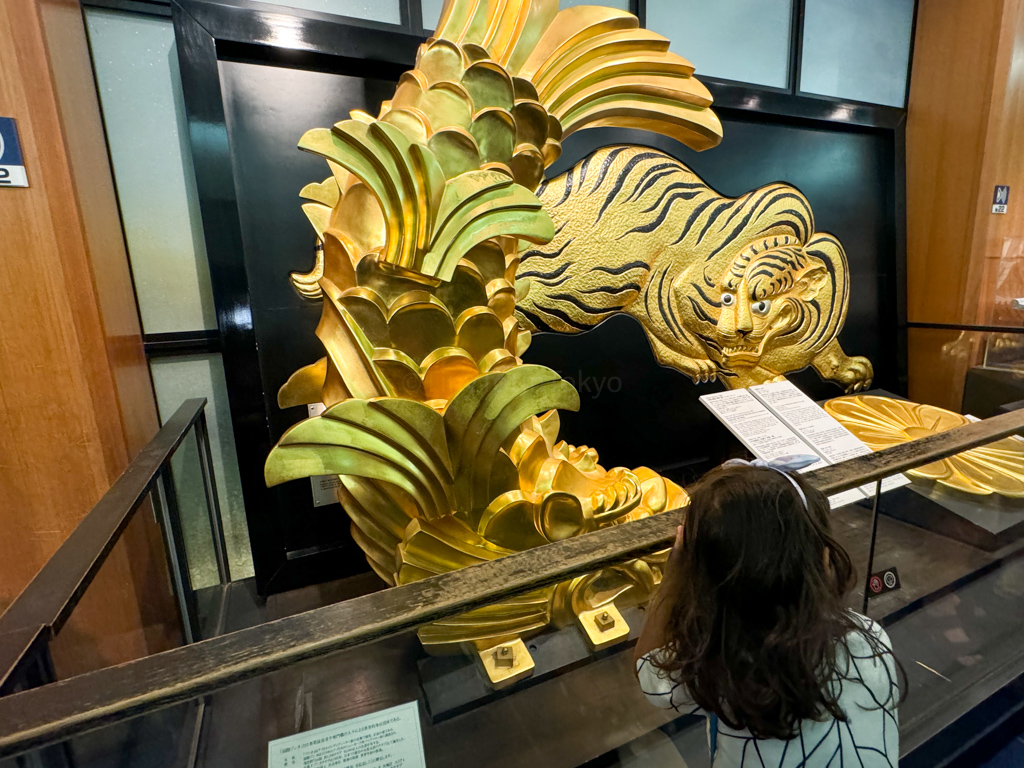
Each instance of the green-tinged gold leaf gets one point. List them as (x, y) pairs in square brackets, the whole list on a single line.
[(489, 86), (350, 352), (319, 216), (495, 134), (304, 386), (456, 151), (358, 438), (325, 192), (441, 60), (477, 206)]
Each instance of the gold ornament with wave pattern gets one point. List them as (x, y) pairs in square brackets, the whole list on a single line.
[(881, 422), (742, 290), (444, 441)]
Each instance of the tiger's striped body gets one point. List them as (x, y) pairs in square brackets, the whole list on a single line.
[(737, 289)]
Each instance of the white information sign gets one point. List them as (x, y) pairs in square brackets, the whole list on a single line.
[(777, 419), (758, 429), (765, 434), (323, 485), (829, 438), (390, 738)]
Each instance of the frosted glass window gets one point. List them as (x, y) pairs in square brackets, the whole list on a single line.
[(742, 40), (386, 11), (620, 4), (857, 49), (136, 67), (431, 9), (175, 380)]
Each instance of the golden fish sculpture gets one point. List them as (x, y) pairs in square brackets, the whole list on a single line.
[(738, 290), (445, 442)]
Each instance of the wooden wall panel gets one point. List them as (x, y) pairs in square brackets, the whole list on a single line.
[(74, 406), (78, 103), (75, 89), (964, 135), (947, 122), (998, 242)]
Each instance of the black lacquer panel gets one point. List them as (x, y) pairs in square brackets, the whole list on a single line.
[(267, 109)]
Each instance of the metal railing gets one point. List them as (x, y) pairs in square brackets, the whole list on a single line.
[(44, 606), (55, 712)]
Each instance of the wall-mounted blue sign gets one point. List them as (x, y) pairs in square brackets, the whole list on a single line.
[(12, 166)]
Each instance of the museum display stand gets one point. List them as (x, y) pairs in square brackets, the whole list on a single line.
[(253, 671), (481, 581)]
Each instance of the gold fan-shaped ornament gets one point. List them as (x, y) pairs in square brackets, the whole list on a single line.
[(881, 422)]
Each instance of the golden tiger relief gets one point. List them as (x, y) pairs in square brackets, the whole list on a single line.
[(739, 290)]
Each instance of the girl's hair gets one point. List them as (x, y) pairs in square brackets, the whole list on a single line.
[(758, 615)]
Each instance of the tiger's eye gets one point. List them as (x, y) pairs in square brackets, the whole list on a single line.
[(728, 299), (761, 307)]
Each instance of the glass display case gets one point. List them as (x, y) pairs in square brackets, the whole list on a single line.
[(499, 551), (301, 660)]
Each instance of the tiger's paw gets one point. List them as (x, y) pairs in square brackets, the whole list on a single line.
[(856, 375), (700, 371)]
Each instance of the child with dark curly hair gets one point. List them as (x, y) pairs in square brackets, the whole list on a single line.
[(750, 628)]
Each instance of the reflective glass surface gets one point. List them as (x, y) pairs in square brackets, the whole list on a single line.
[(623, 5), (857, 49), (386, 11), (431, 9), (742, 40), (136, 66), (176, 379)]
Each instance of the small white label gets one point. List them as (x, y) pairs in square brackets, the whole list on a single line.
[(323, 485), (13, 176), (12, 162), (390, 738)]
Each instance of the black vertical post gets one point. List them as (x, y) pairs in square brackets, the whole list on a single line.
[(41, 672), (871, 549), (412, 16), (174, 542), (796, 45), (639, 8), (212, 500)]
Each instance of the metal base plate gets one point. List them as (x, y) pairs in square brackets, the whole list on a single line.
[(453, 685)]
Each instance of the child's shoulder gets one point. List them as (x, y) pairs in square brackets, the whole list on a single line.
[(859, 639)]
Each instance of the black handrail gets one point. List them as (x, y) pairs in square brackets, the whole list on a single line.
[(64, 709), (45, 604), (55, 591)]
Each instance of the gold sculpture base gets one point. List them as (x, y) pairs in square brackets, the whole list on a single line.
[(506, 663), (603, 627)]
